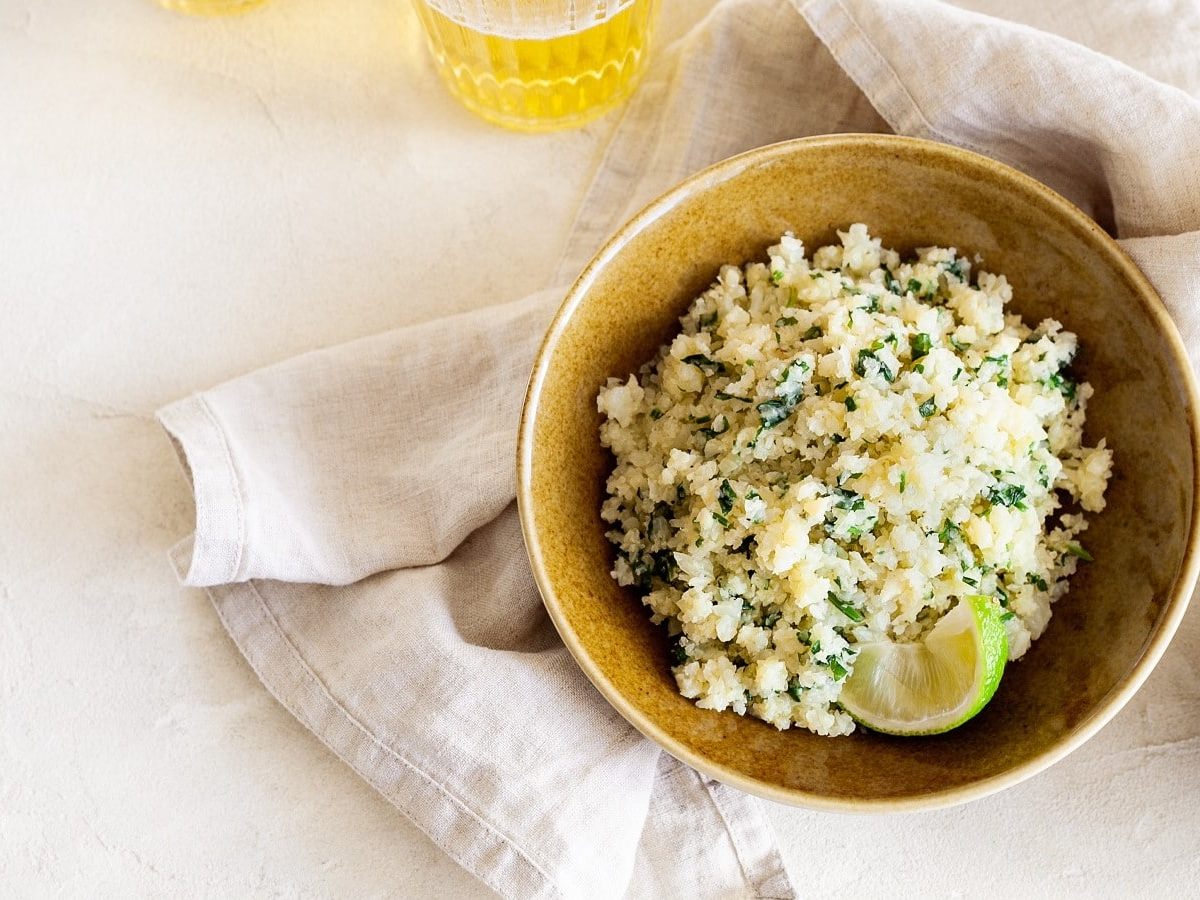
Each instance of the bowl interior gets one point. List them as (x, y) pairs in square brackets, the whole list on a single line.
[(912, 194)]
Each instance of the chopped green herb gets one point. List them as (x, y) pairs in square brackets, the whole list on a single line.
[(844, 608), (720, 518), (1007, 495), (1037, 581), (776, 277), (915, 287), (677, 654), (719, 427), (722, 395), (708, 320), (950, 532), (785, 321), (726, 497), (890, 282), (771, 618), (959, 345), (835, 666), (919, 367), (656, 413), (813, 332), (903, 481), (851, 406), (860, 367), (704, 364), (1077, 550), (955, 268), (927, 409), (920, 345), (787, 397), (774, 411), (1063, 384), (837, 438), (1008, 615), (795, 689)]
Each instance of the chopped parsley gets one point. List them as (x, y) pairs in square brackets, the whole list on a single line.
[(774, 411), (795, 689), (1063, 385), (860, 367), (776, 277), (927, 409), (813, 332), (835, 666), (920, 345), (786, 399), (726, 497), (704, 364), (903, 481), (1002, 494), (851, 406), (950, 532), (677, 653), (1077, 550), (955, 268), (844, 608), (720, 426)]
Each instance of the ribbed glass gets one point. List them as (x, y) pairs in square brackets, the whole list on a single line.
[(538, 64)]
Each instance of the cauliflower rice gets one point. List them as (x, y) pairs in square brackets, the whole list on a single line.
[(833, 452)]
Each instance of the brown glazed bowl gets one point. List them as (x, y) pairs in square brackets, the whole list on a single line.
[(1121, 611)]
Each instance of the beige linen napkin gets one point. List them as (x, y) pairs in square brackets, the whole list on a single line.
[(355, 524)]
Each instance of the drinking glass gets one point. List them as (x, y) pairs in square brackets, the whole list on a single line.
[(536, 65)]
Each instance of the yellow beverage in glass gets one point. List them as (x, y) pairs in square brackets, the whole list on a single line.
[(211, 7), (535, 65)]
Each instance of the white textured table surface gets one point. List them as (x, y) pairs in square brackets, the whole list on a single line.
[(182, 201)]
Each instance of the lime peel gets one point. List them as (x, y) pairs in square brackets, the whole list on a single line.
[(935, 685)]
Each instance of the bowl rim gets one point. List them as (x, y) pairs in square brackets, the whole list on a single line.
[(1110, 705)]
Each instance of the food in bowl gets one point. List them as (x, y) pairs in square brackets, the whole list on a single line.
[(833, 457)]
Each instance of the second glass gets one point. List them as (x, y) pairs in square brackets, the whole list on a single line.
[(536, 65)]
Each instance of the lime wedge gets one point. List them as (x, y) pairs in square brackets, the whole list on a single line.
[(937, 684)]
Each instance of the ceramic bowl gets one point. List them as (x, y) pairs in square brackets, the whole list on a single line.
[(1121, 611)]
